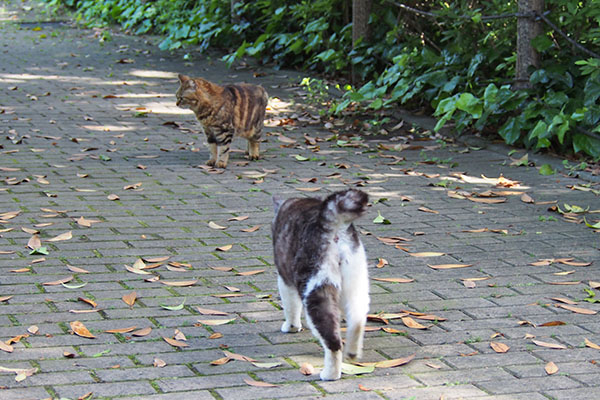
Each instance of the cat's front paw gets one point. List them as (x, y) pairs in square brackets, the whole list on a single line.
[(211, 162), (353, 355), (289, 328), (221, 164)]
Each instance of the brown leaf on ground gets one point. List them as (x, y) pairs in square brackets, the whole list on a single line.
[(428, 210), (394, 280), (179, 283), (122, 330), (175, 343), (5, 298), (551, 368), (130, 298), (557, 346), (240, 218), (427, 254), (252, 229), (252, 272), (577, 310), (59, 282), (207, 311), (158, 363), (591, 344), (525, 198), (87, 222), (252, 382), (499, 347), (77, 270), (80, 330), (395, 362), (563, 300), (553, 323), (142, 332), (307, 369), (449, 266), (216, 335), (34, 242), (227, 247), (6, 347), (411, 323), (61, 237), (381, 262), (88, 301), (215, 322)]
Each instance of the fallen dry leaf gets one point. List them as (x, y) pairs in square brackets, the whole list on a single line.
[(307, 369), (525, 198), (158, 363), (142, 332), (6, 347), (252, 229), (214, 225), (33, 329), (427, 254), (449, 266), (411, 323), (428, 210), (215, 322), (557, 346), (252, 272), (594, 285), (227, 247), (88, 301), (207, 311), (86, 222), (240, 218), (252, 382), (499, 347), (122, 330), (59, 282), (179, 283), (34, 242), (394, 280), (80, 330), (551, 368), (553, 323), (591, 344), (175, 343), (577, 310), (381, 262), (61, 237), (216, 335), (130, 298), (5, 298), (395, 362), (77, 270), (563, 300)]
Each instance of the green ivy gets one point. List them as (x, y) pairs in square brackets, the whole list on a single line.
[(459, 66)]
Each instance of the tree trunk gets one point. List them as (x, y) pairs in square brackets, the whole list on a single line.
[(235, 17), (527, 29), (361, 9)]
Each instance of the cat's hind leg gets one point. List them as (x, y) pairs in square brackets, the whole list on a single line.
[(292, 307), (355, 301), (322, 315)]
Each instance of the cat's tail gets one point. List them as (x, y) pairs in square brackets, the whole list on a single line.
[(345, 206)]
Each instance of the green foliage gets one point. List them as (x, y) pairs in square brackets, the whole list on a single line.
[(458, 66)]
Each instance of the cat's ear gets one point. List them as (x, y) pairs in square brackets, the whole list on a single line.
[(277, 202)]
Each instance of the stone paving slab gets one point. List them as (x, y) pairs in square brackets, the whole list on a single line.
[(82, 119)]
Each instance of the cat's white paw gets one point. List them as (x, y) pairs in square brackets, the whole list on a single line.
[(289, 328), (330, 374), (352, 355)]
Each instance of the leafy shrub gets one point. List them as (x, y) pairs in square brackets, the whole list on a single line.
[(458, 64)]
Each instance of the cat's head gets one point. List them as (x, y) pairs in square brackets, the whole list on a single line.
[(345, 206), (193, 93)]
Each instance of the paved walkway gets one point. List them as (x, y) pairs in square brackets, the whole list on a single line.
[(91, 143)]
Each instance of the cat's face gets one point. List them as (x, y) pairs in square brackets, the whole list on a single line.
[(186, 94)]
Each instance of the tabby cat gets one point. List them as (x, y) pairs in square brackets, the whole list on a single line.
[(322, 267), (224, 111)]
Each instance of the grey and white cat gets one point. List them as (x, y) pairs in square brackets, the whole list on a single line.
[(322, 267)]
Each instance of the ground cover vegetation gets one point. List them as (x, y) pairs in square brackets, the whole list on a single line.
[(455, 60)]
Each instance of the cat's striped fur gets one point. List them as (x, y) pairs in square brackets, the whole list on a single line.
[(225, 111)]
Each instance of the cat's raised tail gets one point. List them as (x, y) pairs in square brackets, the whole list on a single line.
[(344, 207)]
